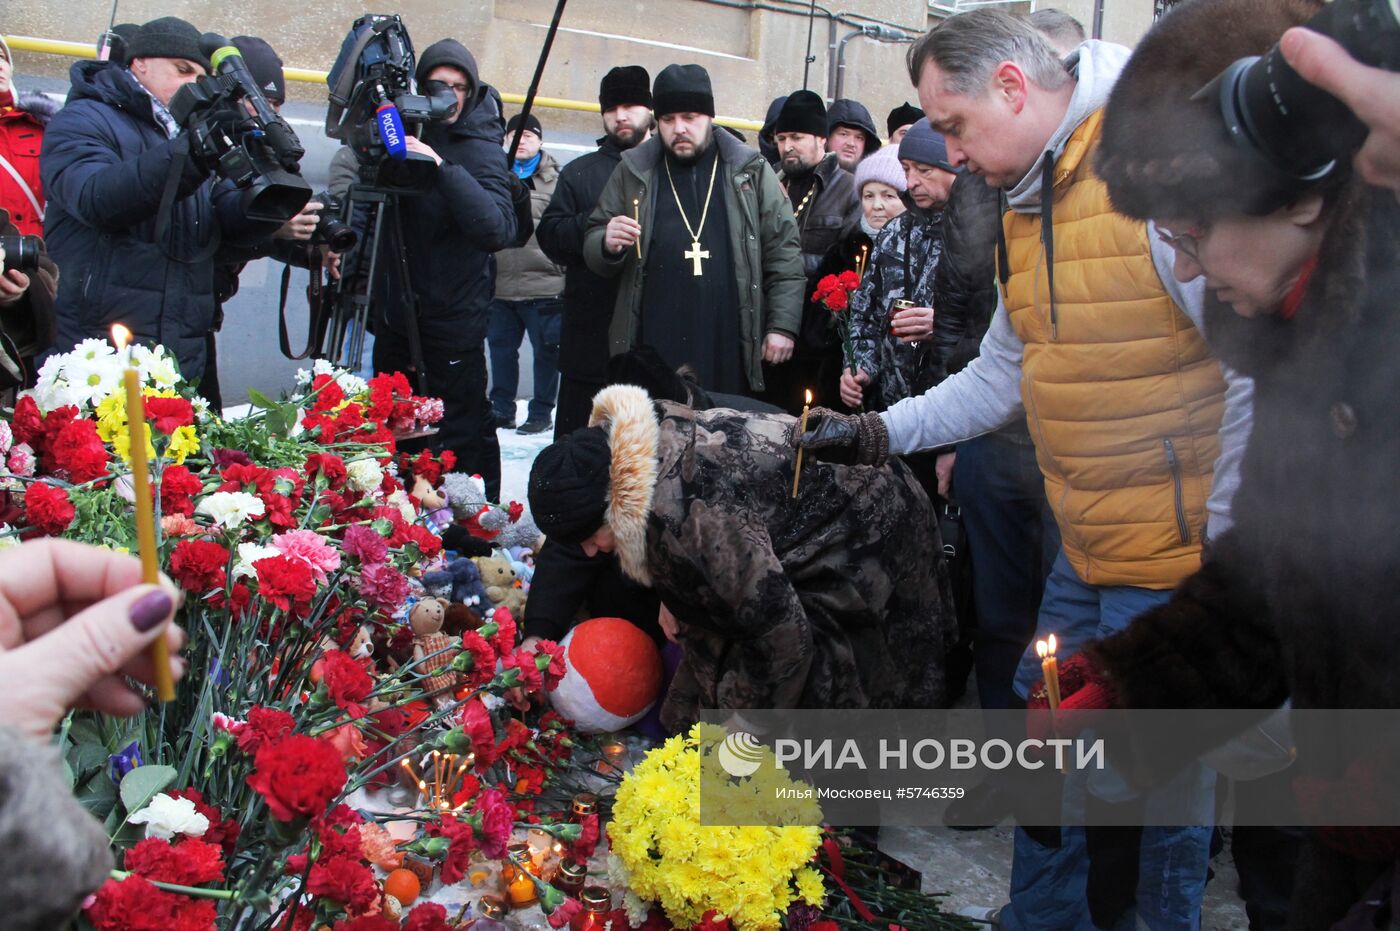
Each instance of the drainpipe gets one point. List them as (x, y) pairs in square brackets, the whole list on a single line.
[(878, 34), (1098, 19)]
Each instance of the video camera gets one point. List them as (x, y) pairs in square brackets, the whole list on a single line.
[(373, 97), (1298, 127), (252, 145)]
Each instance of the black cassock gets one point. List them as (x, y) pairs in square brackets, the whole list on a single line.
[(689, 319)]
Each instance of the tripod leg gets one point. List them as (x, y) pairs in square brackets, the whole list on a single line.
[(415, 338)]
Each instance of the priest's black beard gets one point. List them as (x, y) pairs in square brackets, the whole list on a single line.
[(685, 161), (800, 170)]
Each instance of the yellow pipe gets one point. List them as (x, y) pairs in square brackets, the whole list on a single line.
[(310, 76)]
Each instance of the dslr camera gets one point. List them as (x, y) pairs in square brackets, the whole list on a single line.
[(21, 253), (1297, 127), (331, 228), (234, 130), (375, 102)]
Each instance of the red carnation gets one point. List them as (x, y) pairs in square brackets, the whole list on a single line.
[(504, 637), (222, 831), (264, 726), (515, 511), (554, 669), (561, 916), (849, 280), (133, 904), (169, 414), (285, 582), (429, 916), (429, 544), (329, 465), (524, 661), (298, 776), (475, 721), (187, 863), (178, 488), (199, 565), (384, 586), (28, 423), (343, 880), (582, 849), (78, 452), (837, 301), (461, 841), (328, 393), (367, 923), (346, 681), (483, 659), (48, 508), (497, 819)]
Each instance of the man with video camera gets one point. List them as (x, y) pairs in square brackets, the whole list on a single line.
[(109, 158), (449, 234)]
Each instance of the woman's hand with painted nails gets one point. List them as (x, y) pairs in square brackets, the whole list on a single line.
[(74, 620)]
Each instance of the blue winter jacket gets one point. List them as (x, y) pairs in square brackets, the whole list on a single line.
[(104, 166)]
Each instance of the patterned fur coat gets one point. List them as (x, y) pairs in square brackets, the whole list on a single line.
[(838, 599)]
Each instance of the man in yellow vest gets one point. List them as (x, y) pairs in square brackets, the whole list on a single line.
[(1137, 429)]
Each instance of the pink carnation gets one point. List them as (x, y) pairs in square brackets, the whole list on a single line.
[(384, 586), (310, 548), (21, 460), (428, 410), (365, 544)]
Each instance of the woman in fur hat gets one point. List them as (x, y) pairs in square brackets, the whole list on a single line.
[(822, 601), (1297, 600)]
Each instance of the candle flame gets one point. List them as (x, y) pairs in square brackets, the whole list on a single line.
[(809, 395), (1041, 648), (121, 336), (1051, 644)]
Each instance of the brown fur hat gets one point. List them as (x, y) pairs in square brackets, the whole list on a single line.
[(1163, 154)]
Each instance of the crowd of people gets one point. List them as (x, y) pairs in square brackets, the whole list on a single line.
[(1143, 368)]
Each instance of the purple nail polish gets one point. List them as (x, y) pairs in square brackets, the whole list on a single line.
[(150, 609)]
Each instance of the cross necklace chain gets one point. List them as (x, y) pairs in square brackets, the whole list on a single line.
[(695, 253)]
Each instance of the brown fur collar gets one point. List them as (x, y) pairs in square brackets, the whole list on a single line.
[(626, 414)]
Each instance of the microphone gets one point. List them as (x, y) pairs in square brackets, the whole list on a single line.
[(386, 117)]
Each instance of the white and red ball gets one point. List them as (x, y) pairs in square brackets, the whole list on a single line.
[(613, 678)]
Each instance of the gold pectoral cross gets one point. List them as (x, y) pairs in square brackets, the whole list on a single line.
[(695, 254)]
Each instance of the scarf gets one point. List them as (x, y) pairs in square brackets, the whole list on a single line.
[(524, 170)]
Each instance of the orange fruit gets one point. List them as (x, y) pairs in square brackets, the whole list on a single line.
[(403, 885)]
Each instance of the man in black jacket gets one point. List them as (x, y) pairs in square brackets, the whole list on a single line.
[(625, 99), (449, 234)]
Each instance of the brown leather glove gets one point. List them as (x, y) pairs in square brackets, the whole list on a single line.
[(848, 438)]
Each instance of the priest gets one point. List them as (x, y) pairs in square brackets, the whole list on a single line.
[(703, 241)]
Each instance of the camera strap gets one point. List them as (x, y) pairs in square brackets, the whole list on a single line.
[(181, 154), (340, 93), (315, 307), (23, 186)]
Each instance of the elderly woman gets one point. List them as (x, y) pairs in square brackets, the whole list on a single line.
[(825, 600), (1297, 601)]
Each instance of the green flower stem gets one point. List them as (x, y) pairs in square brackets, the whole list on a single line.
[(197, 892)]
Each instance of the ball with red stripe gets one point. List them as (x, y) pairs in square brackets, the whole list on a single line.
[(613, 678)]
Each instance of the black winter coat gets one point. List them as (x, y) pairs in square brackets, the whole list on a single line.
[(104, 164), (964, 284), (1298, 599), (588, 298)]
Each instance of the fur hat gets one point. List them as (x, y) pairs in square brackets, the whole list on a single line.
[(902, 115), (167, 37), (683, 89), (625, 85), (884, 167), (1164, 152), (802, 112)]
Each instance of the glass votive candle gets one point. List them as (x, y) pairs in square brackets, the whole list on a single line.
[(571, 876), (520, 888)]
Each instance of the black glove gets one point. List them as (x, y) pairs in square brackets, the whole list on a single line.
[(851, 438)]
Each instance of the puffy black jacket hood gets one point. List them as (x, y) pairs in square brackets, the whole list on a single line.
[(449, 52), (108, 82)]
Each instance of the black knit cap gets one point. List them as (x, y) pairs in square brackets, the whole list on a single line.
[(532, 124), (1165, 151), (802, 112), (265, 65), (625, 86), (167, 37), (902, 115), (121, 45), (683, 89), (569, 485)]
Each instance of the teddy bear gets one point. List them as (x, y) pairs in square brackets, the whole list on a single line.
[(459, 617), (459, 581), (499, 579), (426, 619)]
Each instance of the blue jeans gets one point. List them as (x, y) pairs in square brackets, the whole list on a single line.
[(510, 320), (1013, 538), (1049, 885)]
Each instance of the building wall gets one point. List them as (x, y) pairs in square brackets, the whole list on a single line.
[(752, 55)]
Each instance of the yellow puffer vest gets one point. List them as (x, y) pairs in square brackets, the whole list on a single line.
[(1122, 397)]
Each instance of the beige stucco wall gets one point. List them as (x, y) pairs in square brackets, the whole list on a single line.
[(752, 55)]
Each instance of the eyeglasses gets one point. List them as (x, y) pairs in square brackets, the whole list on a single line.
[(459, 88), (1187, 243)]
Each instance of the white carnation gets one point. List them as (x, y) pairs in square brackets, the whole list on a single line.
[(231, 508), (365, 474), (249, 553), (399, 499), (166, 816)]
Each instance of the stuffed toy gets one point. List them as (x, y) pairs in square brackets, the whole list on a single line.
[(499, 579), (459, 617), (523, 533), (426, 618), (460, 582), (434, 504), (613, 675)]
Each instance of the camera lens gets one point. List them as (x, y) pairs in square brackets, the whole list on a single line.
[(21, 252)]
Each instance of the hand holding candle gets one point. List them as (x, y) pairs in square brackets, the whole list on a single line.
[(801, 429), (637, 215), (1050, 668), (145, 510)]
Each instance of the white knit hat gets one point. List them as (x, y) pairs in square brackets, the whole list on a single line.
[(884, 167)]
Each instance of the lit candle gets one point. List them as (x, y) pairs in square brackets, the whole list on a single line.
[(615, 753), (145, 511), (1050, 668), (637, 215), (860, 263), (801, 429)]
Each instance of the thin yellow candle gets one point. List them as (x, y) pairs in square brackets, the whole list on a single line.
[(637, 215), (145, 511), (860, 263), (801, 429), (1050, 668)]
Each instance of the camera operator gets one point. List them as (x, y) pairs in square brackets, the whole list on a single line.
[(107, 160), (450, 233)]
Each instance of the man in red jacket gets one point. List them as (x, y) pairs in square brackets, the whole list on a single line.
[(22, 121)]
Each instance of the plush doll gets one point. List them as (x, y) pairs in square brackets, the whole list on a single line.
[(426, 619), (523, 533), (361, 646), (434, 504), (499, 579), (459, 617), (460, 581)]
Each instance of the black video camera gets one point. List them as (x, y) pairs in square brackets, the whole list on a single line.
[(331, 228), (1298, 127), (21, 253), (374, 103), (251, 146)]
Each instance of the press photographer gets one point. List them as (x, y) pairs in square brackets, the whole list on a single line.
[(443, 204), (134, 218)]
